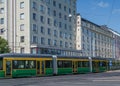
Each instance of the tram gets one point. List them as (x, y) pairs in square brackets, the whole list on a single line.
[(24, 65)]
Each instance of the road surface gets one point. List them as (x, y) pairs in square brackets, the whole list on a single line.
[(111, 78)]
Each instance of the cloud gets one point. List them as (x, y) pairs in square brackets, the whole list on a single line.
[(115, 11), (103, 4)]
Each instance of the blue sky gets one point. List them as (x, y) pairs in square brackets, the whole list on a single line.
[(101, 12)]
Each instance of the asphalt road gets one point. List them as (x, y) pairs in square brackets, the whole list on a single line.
[(111, 78)]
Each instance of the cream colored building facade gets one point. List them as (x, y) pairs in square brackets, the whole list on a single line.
[(94, 40), (39, 26), (116, 42)]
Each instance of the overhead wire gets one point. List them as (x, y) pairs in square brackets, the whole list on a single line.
[(110, 14)]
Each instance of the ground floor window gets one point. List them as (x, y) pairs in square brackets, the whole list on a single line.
[(54, 51)]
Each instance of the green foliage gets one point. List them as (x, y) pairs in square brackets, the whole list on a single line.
[(4, 48)]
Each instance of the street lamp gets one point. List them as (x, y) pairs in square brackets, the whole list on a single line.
[(90, 63)]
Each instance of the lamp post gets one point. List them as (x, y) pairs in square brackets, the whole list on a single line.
[(90, 63), (55, 68)]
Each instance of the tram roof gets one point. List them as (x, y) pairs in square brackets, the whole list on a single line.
[(23, 55), (16, 55)]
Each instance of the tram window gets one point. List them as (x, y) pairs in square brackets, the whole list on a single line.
[(18, 64), (93, 63), (22, 64), (64, 64), (101, 64), (15, 64), (32, 64), (26, 64), (85, 64), (60, 64), (80, 64), (67, 64), (1, 64), (104, 64), (48, 64)]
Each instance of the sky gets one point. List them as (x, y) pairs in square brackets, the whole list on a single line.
[(101, 12)]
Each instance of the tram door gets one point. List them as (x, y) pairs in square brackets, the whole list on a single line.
[(75, 66), (8, 68), (42, 67), (38, 67), (95, 66)]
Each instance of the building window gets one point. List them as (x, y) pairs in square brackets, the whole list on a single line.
[(54, 13), (70, 45), (42, 9), (22, 16), (42, 30), (34, 5), (65, 26), (55, 33), (54, 3), (2, 21), (65, 17), (1, 10), (35, 39), (2, 31), (1, 1), (22, 39), (55, 42), (22, 5), (83, 47), (60, 15), (22, 50), (60, 6), (65, 35), (34, 28), (65, 8), (49, 41), (34, 16), (61, 34), (49, 11), (61, 43), (49, 21), (69, 11), (49, 31), (42, 40), (60, 24), (42, 19), (22, 27), (74, 12), (55, 23), (66, 44)]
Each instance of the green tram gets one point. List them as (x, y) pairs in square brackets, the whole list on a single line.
[(24, 65)]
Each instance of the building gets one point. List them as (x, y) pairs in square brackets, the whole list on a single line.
[(94, 40), (39, 26), (116, 42), (117, 46)]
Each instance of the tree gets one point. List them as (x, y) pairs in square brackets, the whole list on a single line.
[(4, 48)]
